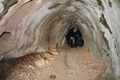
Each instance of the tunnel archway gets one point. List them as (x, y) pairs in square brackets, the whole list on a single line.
[(29, 31)]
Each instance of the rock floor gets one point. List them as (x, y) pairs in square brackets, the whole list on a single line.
[(71, 64), (74, 64)]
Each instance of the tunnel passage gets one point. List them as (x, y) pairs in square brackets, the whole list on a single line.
[(35, 27), (74, 37)]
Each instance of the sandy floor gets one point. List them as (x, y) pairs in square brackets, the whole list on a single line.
[(71, 64)]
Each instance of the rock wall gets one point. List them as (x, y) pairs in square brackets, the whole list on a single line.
[(36, 25)]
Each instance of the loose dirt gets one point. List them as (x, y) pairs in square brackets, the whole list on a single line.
[(71, 64)]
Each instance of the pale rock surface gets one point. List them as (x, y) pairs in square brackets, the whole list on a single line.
[(36, 25)]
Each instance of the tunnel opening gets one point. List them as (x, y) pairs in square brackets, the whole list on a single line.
[(41, 31), (74, 37)]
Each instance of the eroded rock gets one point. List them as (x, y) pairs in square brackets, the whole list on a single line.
[(30, 61), (35, 25)]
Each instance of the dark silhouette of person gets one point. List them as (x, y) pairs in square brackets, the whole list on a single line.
[(74, 37)]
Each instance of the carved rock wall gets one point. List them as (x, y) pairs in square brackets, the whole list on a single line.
[(36, 25)]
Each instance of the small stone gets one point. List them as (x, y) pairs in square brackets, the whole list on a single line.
[(52, 77)]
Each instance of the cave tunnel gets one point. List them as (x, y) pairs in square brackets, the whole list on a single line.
[(33, 39)]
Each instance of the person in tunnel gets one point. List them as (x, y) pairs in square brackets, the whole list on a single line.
[(74, 38)]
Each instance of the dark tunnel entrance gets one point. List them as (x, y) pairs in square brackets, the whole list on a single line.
[(74, 37)]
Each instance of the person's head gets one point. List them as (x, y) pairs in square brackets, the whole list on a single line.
[(75, 29)]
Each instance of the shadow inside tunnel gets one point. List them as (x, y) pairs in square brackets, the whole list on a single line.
[(74, 37)]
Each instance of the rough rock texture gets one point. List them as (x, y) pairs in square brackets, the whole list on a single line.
[(71, 64), (13, 69), (36, 25)]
